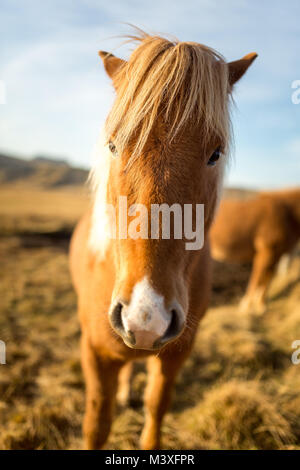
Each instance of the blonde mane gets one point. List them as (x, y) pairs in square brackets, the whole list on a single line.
[(179, 82)]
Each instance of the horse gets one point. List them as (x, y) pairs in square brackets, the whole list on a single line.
[(164, 142), (258, 230)]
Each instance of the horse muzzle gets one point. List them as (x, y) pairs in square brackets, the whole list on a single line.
[(144, 322), (139, 335)]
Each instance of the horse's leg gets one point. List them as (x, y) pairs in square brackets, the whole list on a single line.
[(161, 377), (263, 269), (123, 395), (287, 262), (101, 376), (284, 264)]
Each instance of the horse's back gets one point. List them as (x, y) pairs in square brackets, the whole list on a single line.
[(232, 232), (241, 224)]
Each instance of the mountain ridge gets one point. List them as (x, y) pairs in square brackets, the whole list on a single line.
[(41, 171)]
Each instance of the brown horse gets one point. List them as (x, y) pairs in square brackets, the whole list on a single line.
[(143, 297), (258, 230)]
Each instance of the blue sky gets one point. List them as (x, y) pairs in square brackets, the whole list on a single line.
[(57, 94)]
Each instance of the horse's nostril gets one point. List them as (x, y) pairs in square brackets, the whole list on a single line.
[(117, 324), (116, 317), (174, 326), (130, 337), (174, 329)]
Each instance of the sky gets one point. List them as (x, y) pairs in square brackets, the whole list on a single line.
[(57, 94)]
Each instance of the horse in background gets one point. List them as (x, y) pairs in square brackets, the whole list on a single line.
[(164, 142), (259, 230)]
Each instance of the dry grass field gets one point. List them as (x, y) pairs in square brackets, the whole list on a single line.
[(238, 390)]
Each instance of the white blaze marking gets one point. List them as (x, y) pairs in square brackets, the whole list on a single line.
[(100, 229), (146, 311)]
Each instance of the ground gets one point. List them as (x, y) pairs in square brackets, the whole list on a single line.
[(238, 390)]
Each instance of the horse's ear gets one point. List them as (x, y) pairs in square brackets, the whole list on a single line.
[(111, 63), (239, 67)]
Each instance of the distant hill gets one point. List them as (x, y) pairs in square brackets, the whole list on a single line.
[(45, 159), (45, 172), (41, 171)]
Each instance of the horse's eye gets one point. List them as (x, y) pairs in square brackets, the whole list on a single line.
[(215, 157), (113, 148)]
